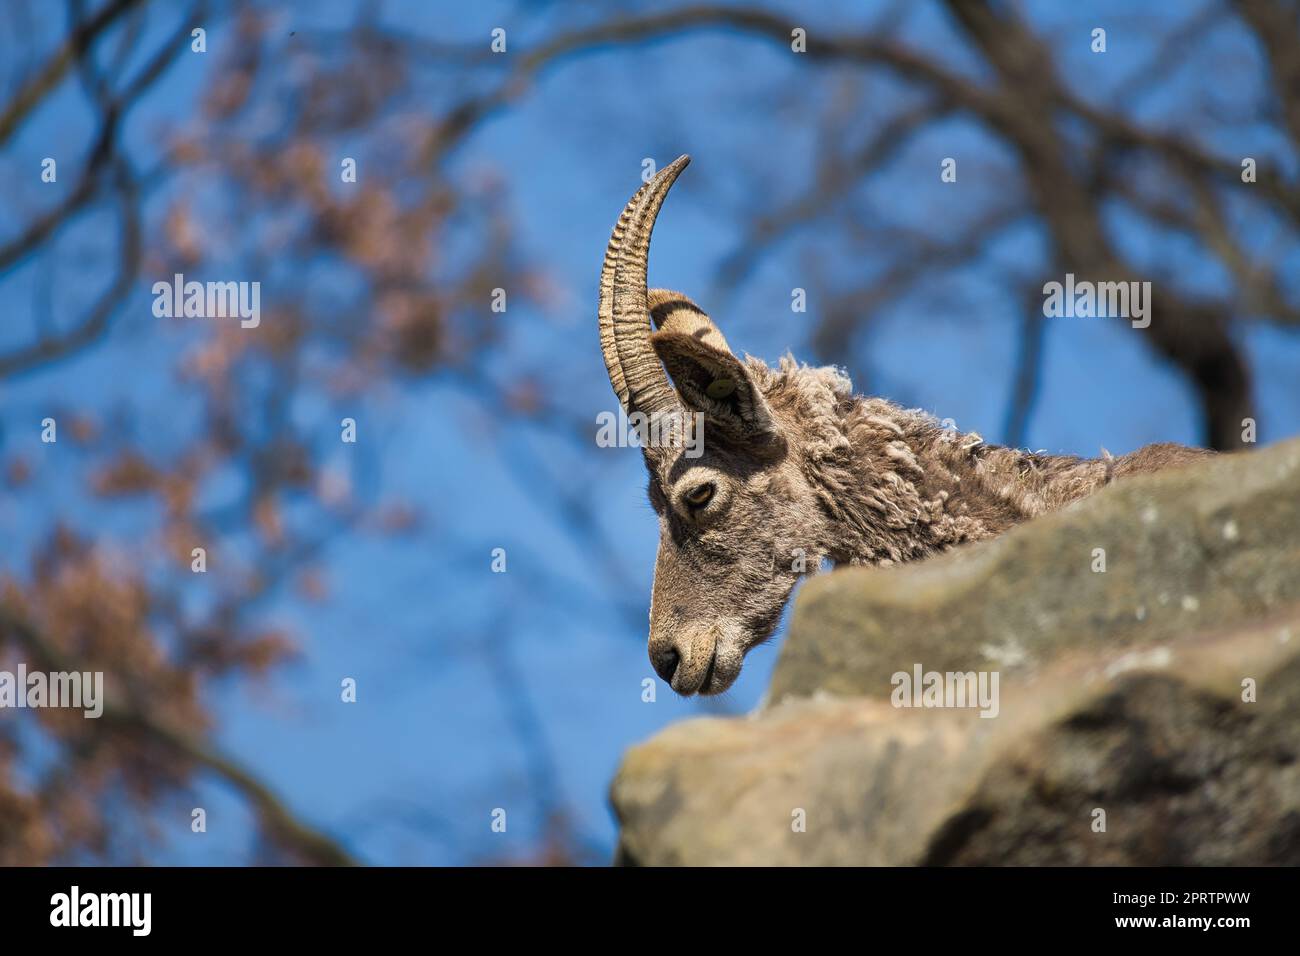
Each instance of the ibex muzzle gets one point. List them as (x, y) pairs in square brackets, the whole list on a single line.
[(793, 469)]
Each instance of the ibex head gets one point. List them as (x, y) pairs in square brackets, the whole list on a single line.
[(739, 520), (793, 468)]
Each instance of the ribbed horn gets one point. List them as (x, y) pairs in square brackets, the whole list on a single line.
[(645, 380), (605, 312)]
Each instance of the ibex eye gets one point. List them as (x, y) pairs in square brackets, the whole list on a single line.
[(699, 496)]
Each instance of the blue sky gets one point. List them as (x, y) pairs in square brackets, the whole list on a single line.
[(411, 773)]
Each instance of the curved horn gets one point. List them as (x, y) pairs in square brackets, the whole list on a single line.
[(648, 389), (605, 313)]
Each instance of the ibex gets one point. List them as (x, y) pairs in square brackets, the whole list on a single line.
[(794, 469)]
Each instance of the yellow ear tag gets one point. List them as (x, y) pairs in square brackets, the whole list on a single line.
[(720, 388)]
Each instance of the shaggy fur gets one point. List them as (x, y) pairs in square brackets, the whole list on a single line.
[(899, 486), (795, 469)]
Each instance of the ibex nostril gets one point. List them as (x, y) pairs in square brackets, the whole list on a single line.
[(665, 664)]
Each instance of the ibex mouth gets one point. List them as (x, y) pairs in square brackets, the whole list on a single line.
[(708, 674), (722, 673), (684, 681), (723, 668)]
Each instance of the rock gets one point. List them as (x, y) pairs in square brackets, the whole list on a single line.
[(1159, 697), (1189, 549)]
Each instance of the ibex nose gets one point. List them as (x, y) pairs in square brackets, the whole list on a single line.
[(665, 663)]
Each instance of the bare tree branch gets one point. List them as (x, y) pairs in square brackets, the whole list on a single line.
[(276, 818), (52, 347), (47, 79), (1277, 25)]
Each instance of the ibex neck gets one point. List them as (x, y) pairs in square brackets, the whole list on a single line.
[(911, 488)]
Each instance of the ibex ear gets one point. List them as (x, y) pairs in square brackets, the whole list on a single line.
[(713, 381), (674, 312)]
